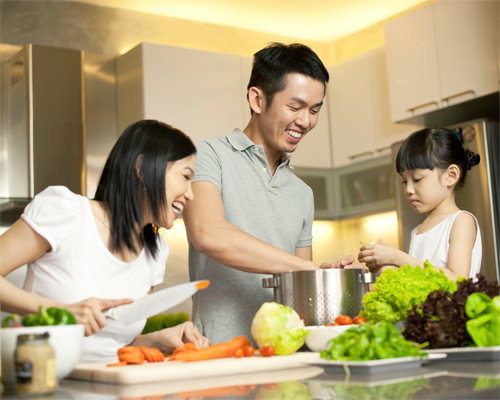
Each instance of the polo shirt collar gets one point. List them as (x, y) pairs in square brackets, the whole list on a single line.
[(241, 142)]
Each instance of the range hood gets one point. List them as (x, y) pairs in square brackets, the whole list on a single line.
[(42, 133)]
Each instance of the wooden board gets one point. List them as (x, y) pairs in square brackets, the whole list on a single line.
[(178, 370)]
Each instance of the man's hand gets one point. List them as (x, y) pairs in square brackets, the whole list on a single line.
[(346, 263)]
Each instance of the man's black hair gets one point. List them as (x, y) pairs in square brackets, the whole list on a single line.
[(272, 64)]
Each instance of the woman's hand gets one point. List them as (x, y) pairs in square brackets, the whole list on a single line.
[(378, 255), (346, 262), (169, 339), (89, 312)]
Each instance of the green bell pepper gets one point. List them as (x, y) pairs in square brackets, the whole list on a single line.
[(61, 316), (52, 316)]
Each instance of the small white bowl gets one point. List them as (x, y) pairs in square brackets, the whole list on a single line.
[(65, 339), (318, 337)]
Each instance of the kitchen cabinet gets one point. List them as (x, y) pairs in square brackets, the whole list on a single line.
[(320, 180), (361, 126), (441, 55), (199, 92), (365, 188)]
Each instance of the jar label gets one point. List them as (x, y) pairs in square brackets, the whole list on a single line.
[(24, 371), (50, 368)]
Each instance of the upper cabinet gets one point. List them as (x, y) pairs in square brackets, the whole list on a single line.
[(199, 92), (441, 55), (361, 126)]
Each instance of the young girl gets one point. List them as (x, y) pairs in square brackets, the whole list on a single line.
[(89, 255), (433, 164)]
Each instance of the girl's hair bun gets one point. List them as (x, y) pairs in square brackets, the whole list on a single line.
[(472, 159)]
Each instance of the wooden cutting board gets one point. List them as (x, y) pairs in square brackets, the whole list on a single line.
[(178, 370)]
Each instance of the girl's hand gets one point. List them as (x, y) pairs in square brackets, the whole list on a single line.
[(89, 312), (169, 339), (378, 255)]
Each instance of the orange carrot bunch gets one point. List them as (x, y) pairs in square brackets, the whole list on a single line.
[(137, 355), (219, 350)]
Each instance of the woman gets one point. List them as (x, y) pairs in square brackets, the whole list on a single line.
[(89, 255)]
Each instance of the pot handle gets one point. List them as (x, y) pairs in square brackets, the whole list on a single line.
[(271, 282), (368, 277)]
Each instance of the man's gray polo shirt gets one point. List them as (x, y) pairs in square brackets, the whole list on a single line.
[(278, 210)]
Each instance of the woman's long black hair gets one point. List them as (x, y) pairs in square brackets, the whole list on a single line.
[(155, 144), (431, 148)]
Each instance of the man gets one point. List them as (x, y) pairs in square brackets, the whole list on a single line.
[(250, 215)]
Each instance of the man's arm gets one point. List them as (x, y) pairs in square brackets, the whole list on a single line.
[(212, 235)]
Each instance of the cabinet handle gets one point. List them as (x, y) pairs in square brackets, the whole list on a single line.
[(422, 105), (458, 94), (381, 149), (366, 153)]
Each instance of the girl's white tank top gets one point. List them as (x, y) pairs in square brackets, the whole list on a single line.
[(434, 244)]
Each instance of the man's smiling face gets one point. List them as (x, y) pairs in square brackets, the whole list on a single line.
[(292, 114)]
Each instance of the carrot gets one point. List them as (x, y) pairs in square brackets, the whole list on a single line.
[(220, 350), (118, 364), (152, 354), (131, 354), (188, 346)]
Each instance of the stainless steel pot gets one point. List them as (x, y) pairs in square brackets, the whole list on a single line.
[(321, 296)]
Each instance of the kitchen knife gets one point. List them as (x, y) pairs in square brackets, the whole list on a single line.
[(154, 303)]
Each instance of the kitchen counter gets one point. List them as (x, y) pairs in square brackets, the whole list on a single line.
[(435, 380)]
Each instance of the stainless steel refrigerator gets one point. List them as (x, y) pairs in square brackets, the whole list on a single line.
[(480, 195)]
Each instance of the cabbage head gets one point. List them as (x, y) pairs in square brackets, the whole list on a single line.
[(278, 326)]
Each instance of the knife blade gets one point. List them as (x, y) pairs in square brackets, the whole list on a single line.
[(154, 303)]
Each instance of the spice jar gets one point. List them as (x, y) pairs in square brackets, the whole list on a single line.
[(35, 365)]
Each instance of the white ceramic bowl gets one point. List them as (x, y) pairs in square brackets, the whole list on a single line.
[(65, 339), (318, 337)]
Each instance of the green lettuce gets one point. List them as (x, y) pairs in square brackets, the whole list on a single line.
[(371, 341), (396, 291), (484, 325), (278, 326)]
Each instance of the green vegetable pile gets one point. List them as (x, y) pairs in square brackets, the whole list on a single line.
[(52, 316), (484, 323), (371, 341), (465, 317), (397, 291), (278, 326), (159, 322)]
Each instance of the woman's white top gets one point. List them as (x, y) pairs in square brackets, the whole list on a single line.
[(434, 244), (80, 266)]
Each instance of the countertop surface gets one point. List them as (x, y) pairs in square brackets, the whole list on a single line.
[(438, 379)]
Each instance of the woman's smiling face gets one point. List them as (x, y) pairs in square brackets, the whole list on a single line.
[(178, 190)]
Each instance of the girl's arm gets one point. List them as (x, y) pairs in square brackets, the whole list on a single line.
[(462, 238), (22, 245), (382, 254)]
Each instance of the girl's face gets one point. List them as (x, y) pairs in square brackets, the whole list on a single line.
[(425, 189), (178, 189)]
